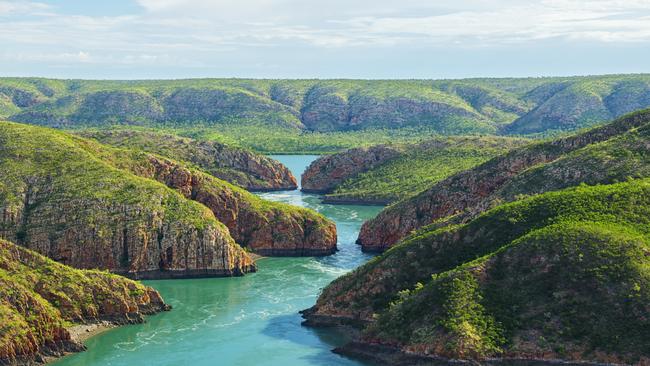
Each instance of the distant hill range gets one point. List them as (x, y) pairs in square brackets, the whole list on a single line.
[(471, 106)]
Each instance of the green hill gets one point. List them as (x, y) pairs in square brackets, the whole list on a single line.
[(562, 275), (40, 299), (93, 206), (66, 198), (327, 115), (414, 168), (607, 154), (244, 168)]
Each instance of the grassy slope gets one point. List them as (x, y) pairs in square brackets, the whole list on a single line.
[(39, 298), (621, 158), (238, 166), (98, 173), (535, 168), (134, 159), (273, 140), (419, 167), (85, 170), (601, 230), (575, 290), (55, 186), (271, 115)]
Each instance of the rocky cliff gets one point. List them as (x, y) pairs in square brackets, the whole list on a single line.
[(384, 174), (266, 228), (558, 276), (63, 197), (40, 298), (325, 173), (477, 189), (244, 168)]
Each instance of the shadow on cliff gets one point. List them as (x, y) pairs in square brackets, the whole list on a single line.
[(288, 328)]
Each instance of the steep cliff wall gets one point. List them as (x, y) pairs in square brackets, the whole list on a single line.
[(244, 168), (61, 200), (448, 107), (325, 173), (471, 189), (558, 276), (39, 298)]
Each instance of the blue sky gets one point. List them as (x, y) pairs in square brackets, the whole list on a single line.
[(132, 39)]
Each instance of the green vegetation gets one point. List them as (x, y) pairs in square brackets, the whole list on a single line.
[(610, 153), (58, 185), (65, 167), (290, 116), (39, 298), (419, 167), (270, 140), (623, 157), (563, 274), (238, 166)]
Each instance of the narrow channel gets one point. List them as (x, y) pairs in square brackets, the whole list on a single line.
[(251, 320)]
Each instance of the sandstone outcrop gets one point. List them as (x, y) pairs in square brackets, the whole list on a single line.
[(60, 196), (447, 107), (384, 174), (244, 168), (557, 276), (39, 298), (265, 228), (325, 173), (473, 188)]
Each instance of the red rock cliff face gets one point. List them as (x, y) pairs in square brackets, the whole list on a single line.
[(244, 168), (59, 196), (38, 296), (470, 188), (260, 173), (266, 228), (325, 173), (133, 240)]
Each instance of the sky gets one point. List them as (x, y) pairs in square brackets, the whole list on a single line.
[(370, 39)]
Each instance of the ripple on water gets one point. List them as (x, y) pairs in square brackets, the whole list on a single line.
[(246, 320)]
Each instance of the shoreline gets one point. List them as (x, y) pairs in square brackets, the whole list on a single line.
[(82, 332), (79, 334), (390, 355), (326, 197), (383, 354)]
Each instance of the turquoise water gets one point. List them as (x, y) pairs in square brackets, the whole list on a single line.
[(250, 320)]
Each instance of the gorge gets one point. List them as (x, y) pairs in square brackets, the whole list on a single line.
[(218, 319)]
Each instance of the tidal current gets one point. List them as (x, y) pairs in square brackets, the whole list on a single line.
[(250, 320)]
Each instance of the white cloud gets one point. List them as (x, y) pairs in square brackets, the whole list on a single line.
[(194, 32), (80, 56), (21, 7)]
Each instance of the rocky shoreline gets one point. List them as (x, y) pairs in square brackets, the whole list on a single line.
[(189, 273), (79, 333), (390, 355)]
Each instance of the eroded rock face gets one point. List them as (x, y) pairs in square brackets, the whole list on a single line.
[(325, 173), (266, 228), (251, 171), (542, 255), (21, 98), (471, 188), (260, 173), (38, 296), (60, 198), (133, 240), (448, 107), (214, 104)]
